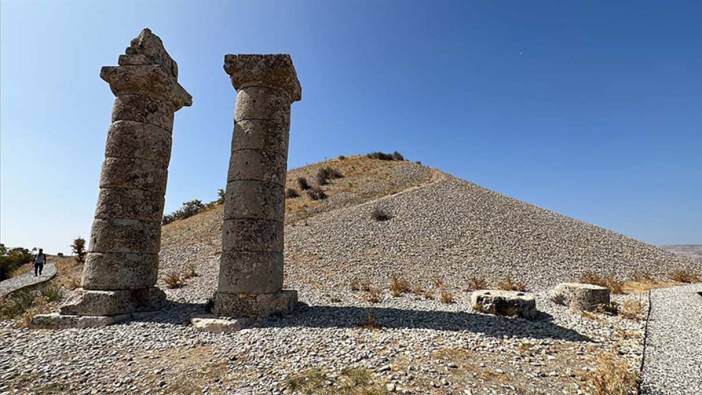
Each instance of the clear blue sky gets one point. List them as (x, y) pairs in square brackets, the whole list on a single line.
[(589, 108)]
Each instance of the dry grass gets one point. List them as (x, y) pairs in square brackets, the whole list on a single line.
[(310, 381), (508, 284), (423, 293), (399, 286), (360, 285), (373, 295), (173, 280), (351, 381), (438, 282), (476, 283), (189, 271), (615, 286), (611, 376), (685, 276), (631, 309), (446, 297), (371, 322)]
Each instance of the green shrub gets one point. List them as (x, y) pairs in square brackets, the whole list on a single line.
[(78, 247), (291, 193), (52, 293), (316, 194), (11, 259), (188, 209), (303, 184), (383, 156), (15, 304)]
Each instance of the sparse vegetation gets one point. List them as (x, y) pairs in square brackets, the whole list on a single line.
[(303, 184), (476, 283), (78, 248), (371, 322), (310, 381), (316, 194), (373, 295), (446, 297), (685, 276), (351, 381), (189, 271), (341, 157), (383, 156), (611, 376), (16, 304), (188, 209), (508, 284), (52, 293), (220, 196), (291, 193), (12, 259), (631, 309), (173, 280), (360, 285), (615, 286), (380, 214), (399, 286)]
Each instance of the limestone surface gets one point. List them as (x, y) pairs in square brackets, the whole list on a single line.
[(251, 264), (122, 262), (580, 296), (509, 303)]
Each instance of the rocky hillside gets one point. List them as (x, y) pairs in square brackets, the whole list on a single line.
[(441, 229)]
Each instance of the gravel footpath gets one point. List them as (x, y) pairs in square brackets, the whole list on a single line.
[(27, 279), (673, 363)]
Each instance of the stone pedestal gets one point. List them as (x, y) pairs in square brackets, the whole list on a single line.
[(121, 266), (251, 266), (579, 296)]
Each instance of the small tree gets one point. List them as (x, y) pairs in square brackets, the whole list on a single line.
[(78, 247), (220, 195)]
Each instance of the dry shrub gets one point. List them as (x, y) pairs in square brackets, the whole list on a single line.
[(508, 284), (610, 309), (173, 280), (373, 295), (643, 276), (631, 309), (316, 194), (189, 271), (308, 381), (445, 296), (291, 193), (615, 286), (303, 184), (380, 214), (360, 285), (371, 322), (438, 282), (398, 286), (685, 276), (611, 376), (476, 283)]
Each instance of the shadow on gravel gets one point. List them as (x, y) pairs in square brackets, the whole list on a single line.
[(493, 326), (356, 317)]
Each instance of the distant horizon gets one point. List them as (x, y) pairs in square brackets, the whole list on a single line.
[(589, 110)]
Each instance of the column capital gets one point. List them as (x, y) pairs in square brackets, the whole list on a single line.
[(147, 69), (275, 71)]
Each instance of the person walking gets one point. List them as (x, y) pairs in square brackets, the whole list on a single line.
[(39, 262)]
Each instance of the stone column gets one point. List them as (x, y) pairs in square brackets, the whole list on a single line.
[(121, 266), (251, 265)]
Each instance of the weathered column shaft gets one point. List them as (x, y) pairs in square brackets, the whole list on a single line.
[(251, 266), (126, 234)]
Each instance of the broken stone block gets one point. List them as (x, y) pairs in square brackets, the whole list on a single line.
[(219, 325), (507, 303), (580, 296)]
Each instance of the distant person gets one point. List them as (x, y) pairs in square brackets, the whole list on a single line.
[(39, 262)]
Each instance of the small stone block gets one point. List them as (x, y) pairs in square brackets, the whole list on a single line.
[(62, 321), (508, 303), (219, 325), (580, 296)]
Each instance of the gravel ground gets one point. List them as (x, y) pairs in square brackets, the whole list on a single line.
[(424, 346), (673, 363), (27, 279)]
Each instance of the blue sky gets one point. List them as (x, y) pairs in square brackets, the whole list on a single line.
[(591, 109)]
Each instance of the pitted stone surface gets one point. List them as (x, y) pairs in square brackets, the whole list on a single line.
[(251, 264), (121, 267), (264, 70), (509, 303), (580, 296)]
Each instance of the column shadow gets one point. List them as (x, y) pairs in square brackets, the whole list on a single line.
[(305, 316)]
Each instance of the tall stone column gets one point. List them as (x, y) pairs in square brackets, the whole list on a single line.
[(121, 266), (251, 265)]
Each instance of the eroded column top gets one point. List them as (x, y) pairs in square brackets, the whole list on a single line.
[(274, 70), (147, 69)]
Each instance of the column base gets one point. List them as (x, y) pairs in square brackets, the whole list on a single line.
[(124, 301), (254, 305)]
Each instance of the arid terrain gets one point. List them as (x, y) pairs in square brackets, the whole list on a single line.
[(385, 266)]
